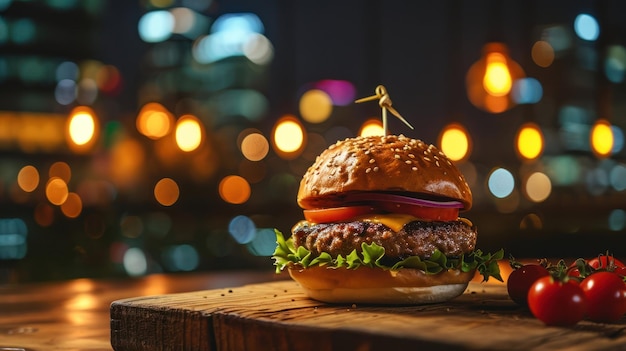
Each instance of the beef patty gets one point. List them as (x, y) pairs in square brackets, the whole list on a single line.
[(416, 238)]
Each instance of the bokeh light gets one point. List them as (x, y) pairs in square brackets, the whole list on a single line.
[(255, 147), (501, 183), (586, 27), (234, 189), (181, 258), (166, 191), (264, 243), (242, 229), (73, 205), (135, 262), (527, 91), (529, 141), (601, 138), (189, 133), (61, 170), (315, 106), (615, 63), (371, 127), (542, 53), (288, 137), (82, 127), (617, 220), (341, 92), (156, 26), (154, 120), (56, 191), (28, 178), (497, 80), (538, 187), (490, 79), (455, 142)]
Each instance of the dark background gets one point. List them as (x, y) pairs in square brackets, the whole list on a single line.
[(420, 51)]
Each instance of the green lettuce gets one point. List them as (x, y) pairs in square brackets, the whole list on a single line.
[(371, 256)]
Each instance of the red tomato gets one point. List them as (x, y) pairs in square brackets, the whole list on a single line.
[(557, 303), (606, 296), (336, 214), (601, 262), (339, 214), (521, 279), (422, 212)]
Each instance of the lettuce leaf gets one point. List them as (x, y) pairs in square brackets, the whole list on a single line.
[(371, 256)]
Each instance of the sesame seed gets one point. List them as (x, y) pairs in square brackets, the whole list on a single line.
[(396, 156), (408, 162), (414, 168), (411, 156), (372, 160), (427, 159), (368, 170), (375, 169), (437, 163)]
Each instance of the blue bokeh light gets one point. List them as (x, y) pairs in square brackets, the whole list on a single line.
[(586, 27)]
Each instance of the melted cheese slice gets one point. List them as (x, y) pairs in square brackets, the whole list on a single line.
[(395, 221)]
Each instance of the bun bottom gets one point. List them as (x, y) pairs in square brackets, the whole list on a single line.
[(379, 286)]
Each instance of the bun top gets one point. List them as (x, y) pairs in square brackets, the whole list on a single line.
[(392, 163)]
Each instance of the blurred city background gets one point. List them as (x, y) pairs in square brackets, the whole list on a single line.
[(146, 136)]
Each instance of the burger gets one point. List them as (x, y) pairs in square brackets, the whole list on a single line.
[(381, 225)]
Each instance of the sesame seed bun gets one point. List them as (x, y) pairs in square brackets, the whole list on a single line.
[(381, 163)]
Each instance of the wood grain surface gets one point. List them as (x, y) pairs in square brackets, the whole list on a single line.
[(278, 316)]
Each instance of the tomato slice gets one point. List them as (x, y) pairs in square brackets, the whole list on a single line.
[(339, 214), (422, 212), (336, 214)]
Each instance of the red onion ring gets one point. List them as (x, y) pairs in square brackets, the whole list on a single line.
[(371, 196)]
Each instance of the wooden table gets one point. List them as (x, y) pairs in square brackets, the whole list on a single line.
[(75, 314), (262, 311)]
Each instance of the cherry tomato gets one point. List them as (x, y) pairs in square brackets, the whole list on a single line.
[(521, 279), (336, 214), (422, 212), (606, 296), (556, 302), (601, 262)]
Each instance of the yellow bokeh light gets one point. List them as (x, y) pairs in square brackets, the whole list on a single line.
[(188, 133), (73, 206), (166, 192), (28, 178), (234, 189), (455, 142), (538, 187), (529, 141), (315, 106), (542, 53), (154, 120), (61, 170), (82, 126), (288, 136), (56, 191), (497, 80), (255, 147), (372, 127), (602, 138)]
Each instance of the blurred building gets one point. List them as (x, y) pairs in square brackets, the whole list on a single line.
[(170, 135)]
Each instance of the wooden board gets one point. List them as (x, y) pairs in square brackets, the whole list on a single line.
[(278, 316)]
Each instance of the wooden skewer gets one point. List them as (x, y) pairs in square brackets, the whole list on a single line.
[(384, 101)]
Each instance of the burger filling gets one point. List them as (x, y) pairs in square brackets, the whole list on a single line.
[(416, 238)]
